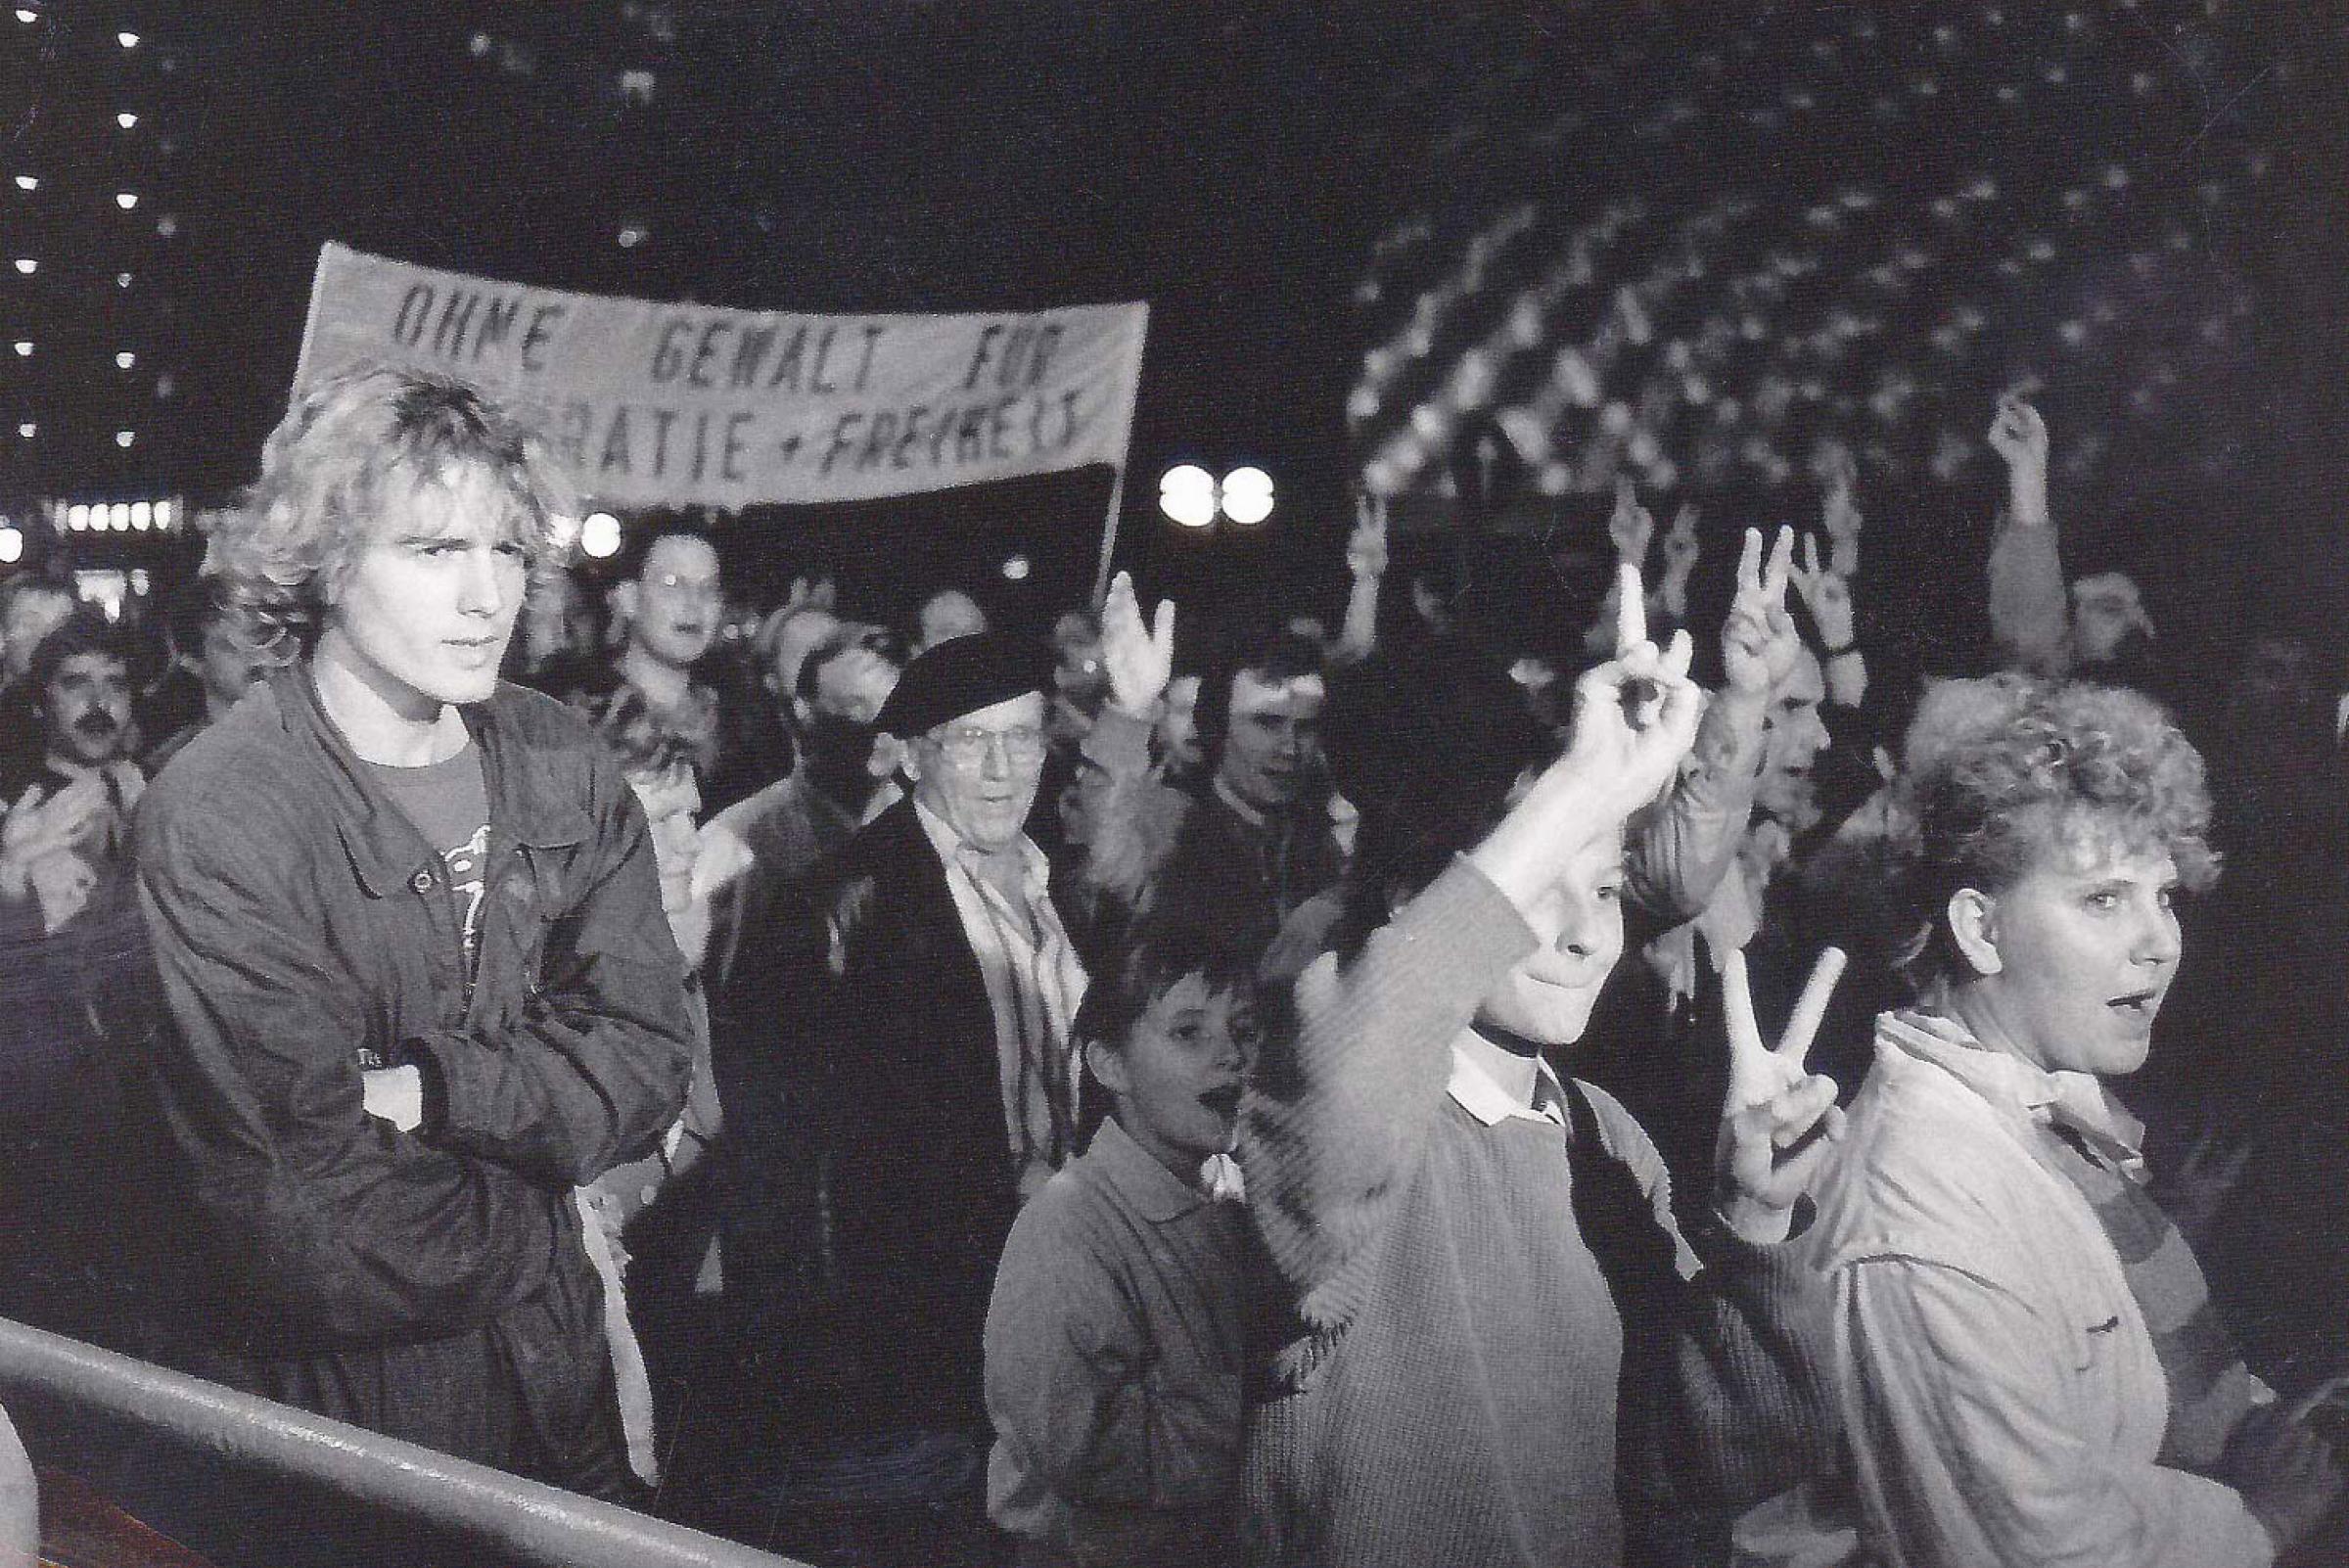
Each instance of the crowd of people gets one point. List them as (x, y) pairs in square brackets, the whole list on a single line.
[(1208, 1087)]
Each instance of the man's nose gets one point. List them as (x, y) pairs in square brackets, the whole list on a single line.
[(478, 588)]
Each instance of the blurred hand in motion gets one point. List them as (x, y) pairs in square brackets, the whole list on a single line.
[(39, 843), (2192, 1191), (1759, 642), (2288, 1475), (1780, 1118), (722, 856), (1139, 660)]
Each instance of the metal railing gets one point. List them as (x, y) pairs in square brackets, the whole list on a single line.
[(525, 1520)]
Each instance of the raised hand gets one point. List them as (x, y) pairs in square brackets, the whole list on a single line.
[(1681, 549), (1139, 660), (1630, 526), (2020, 436), (1779, 1117), (1827, 593), (1635, 718), (1841, 520), (1366, 547), (1759, 643)]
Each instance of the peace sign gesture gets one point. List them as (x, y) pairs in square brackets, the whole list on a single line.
[(1827, 593), (1778, 1118), (1758, 644), (1139, 659)]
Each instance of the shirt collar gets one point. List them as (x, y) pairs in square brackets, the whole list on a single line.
[(1482, 1097), (1036, 870), (2079, 1101), (1157, 1194)]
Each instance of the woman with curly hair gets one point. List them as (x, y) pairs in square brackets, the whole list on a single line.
[(2030, 1370)]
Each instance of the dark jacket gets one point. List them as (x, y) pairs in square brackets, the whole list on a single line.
[(867, 1044), (304, 930)]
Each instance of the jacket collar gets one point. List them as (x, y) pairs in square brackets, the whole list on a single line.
[(2077, 1101), (383, 847), (1157, 1194)]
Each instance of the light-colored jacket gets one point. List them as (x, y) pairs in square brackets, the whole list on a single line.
[(2002, 1397)]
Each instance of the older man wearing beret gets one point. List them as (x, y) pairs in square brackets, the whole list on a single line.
[(910, 1075)]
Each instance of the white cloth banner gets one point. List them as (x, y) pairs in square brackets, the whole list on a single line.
[(651, 403)]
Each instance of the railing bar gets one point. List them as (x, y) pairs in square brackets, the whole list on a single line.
[(532, 1521)]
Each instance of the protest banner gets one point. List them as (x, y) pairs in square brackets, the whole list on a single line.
[(659, 405)]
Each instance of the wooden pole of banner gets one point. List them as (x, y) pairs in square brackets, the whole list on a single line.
[(1117, 488), (1109, 535)]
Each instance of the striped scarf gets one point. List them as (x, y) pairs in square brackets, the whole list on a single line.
[(2210, 1388)]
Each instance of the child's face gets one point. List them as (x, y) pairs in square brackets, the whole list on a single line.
[(1577, 930), (1177, 1080)]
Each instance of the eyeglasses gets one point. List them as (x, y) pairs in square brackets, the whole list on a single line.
[(966, 745)]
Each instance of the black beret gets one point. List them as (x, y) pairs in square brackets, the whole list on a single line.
[(961, 677)]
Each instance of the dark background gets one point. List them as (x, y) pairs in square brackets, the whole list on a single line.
[(1236, 165)]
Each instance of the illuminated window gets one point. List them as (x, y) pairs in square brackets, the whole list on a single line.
[(123, 437)]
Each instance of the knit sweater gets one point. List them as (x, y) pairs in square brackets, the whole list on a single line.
[(1451, 1392)]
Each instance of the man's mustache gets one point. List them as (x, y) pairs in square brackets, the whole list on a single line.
[(98, 724)]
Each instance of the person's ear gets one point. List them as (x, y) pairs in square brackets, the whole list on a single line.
[(623, 598), (1973, 917), (889, 752), (1108, 1066), (909, 762)]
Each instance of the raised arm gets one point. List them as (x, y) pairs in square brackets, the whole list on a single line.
[(1677, 853), (1826, 593), (2029, 614), (1366, 567), (1128, 841), (1341, 1102)]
